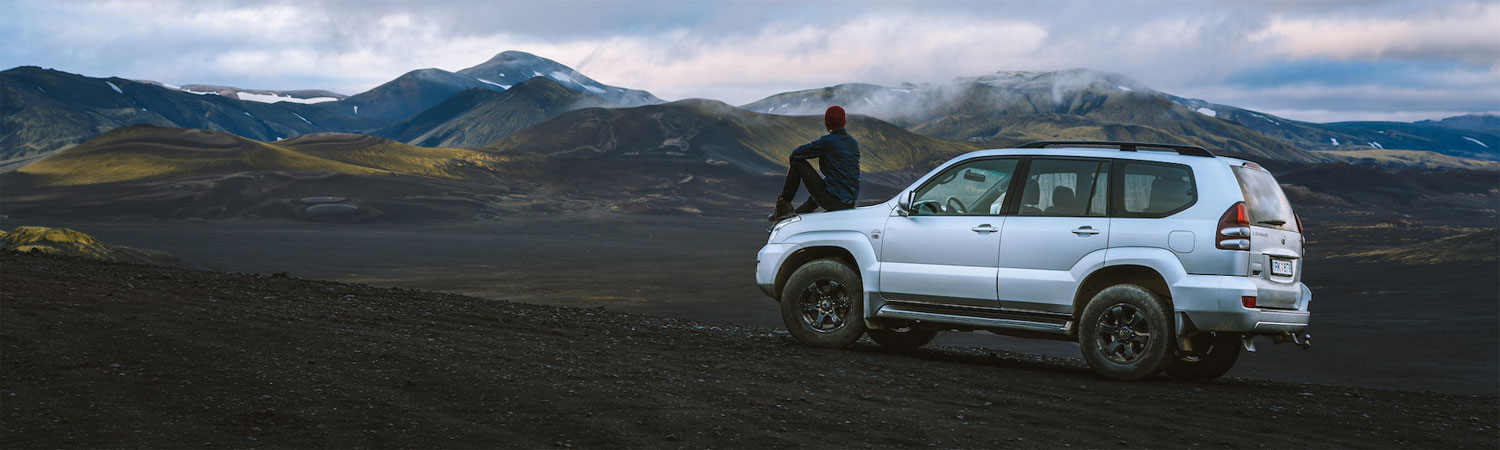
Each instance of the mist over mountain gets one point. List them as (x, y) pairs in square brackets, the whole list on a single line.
[(1010, 107)]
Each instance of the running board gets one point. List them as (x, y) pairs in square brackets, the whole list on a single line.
[(1000, 321)]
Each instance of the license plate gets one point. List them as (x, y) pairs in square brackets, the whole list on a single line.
[(1282, 268)]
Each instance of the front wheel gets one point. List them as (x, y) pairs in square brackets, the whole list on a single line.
[(823, 304), (1213, 354), (904, 338), (1125, 333)]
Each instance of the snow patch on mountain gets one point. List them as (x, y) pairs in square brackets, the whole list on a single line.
[(264, 98), (1123, 88), (116, 88), (1376, 145), (501, 86), (304, 119), (1207, 112), (1264, 117), (1476, 141), (1334, 140)]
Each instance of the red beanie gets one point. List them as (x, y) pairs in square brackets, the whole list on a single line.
[(834, 118)]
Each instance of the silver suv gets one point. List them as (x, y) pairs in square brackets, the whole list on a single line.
[(1151, 260)]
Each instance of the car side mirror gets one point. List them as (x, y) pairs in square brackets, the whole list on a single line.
[(903, 204)]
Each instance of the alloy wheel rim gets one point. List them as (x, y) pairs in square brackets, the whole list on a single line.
[(1122, 333), (825, 305)]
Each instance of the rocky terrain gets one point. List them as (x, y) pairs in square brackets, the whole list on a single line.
[(106, 354)]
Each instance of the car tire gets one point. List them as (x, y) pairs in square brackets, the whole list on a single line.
[(1125, 333), (904, 338), (822, 304), (1213, 354)]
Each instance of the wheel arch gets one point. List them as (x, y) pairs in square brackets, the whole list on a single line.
[(854, 250), (1111, 275)]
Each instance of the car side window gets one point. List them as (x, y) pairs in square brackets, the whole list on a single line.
[(1155, 189), (1065, 187), (975, 188)]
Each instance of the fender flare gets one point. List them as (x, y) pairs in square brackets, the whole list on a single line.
[(855, 243)]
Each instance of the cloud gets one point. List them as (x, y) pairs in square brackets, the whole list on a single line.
[(1466, 32), (742, 51)]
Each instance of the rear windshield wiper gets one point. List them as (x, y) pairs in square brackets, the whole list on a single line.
[(1273, 222)]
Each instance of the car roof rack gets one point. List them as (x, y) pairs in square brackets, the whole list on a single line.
[(1188, 150)]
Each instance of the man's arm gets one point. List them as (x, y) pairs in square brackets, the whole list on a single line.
[(810, 150)]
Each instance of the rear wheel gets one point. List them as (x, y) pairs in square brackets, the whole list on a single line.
[(1124, 333), (823, 304), (902, 338), (1213, 354)]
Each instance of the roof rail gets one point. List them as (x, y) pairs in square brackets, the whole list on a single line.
[(1188, 150)]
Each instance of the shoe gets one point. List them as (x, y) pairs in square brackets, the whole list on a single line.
[(783, 210)]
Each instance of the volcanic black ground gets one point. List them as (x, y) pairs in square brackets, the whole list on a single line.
[(113, 355)]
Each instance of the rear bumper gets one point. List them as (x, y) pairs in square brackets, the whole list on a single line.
[(1212, 303)]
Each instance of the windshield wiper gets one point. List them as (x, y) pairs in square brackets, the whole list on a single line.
[(1273, 222)]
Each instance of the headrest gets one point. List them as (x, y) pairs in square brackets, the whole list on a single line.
[(1032, 194)]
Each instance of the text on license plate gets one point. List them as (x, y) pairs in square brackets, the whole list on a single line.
[(1283, 268)]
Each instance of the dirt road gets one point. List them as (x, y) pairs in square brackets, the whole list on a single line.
[(99, 354)]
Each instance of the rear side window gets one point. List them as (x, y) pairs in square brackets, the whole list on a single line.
[(1155, 189), (1264, 200)]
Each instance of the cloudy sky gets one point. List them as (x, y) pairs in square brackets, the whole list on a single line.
[(1310, 60)]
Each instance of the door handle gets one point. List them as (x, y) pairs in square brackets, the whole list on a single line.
[(1085, 231), (986, 228)]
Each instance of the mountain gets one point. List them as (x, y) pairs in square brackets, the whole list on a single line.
[(1462, 136), (308, 96), (165, 173), (68, 242), (513, 67), (1482, 122), (46, 110), (1006, 108), (708, 131), (476, 117), (407, 95)]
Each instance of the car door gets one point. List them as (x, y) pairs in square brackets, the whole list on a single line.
[(945, 250), (1061, 219)]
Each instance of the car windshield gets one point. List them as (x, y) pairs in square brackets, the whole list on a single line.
[(1266, 203)]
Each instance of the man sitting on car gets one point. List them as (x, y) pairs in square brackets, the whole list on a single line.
[(838, 156)]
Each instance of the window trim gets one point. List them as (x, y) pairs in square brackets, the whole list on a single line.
[(1013, 206), (1117, 190), (1016, 175)]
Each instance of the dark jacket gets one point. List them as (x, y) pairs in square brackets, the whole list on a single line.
[(838, 159)]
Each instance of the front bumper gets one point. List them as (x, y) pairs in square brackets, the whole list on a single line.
[(1212, 303), (767, 263)]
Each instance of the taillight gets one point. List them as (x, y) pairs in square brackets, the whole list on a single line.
[(1299, 223), (1234, 229), (1248, 301)]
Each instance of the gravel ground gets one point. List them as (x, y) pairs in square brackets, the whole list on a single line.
[(115, 355)]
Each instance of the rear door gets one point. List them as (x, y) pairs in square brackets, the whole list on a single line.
[(945, 250), (1275, 239), (1061, 219)]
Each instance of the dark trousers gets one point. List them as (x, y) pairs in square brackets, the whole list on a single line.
[(802, 173)]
